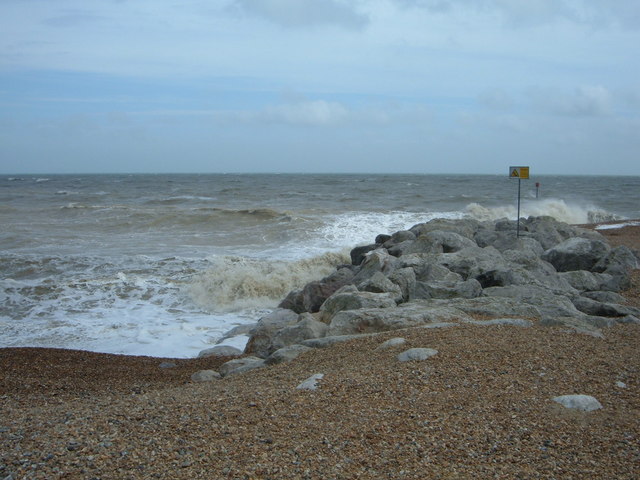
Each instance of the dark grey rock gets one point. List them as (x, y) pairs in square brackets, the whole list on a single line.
[(358, 254), (261, 340), (576, 253), (315, 293)]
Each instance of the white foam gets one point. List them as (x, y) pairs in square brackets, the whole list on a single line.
[(617, 225), (559, 209), (235, 283), (351, 229)]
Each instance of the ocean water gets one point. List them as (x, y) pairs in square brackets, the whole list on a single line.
[(165, 265)]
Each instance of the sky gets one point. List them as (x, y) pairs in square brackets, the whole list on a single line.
[(372, 86)]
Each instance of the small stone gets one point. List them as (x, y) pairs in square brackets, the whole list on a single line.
[(167, 365), (585, 403), (416, 354), (311, 383), (205, 376), (620, 384), (392, 342)]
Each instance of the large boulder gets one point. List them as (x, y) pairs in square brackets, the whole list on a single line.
[(467, 289), (465, 227), (372, 320), (261, 339), (497, 306), (576, 253), (472, 262), (405, 279), (376, 261), (544, 300), (351, 299), (315, 293), (379, 283), (307, 327)]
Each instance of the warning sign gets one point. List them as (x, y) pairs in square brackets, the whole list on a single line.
[(521, 173)]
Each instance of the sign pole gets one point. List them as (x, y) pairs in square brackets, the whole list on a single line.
[(519, 173), (518, 219)]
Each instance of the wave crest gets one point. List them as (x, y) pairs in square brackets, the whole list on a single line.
[(556, 208), (238, 283)]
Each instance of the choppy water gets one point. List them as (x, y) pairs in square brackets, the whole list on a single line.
[(164, 265)]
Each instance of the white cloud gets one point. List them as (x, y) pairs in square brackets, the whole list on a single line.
[(304, 13)]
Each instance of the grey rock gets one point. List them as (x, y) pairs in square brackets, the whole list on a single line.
[(448, 242), (576, 253), (585, 403), (286, 354), (261, 340), (491, 306), (416, 354), (311, 383), (307, 327), (547, 302), (315, 293), (358, 254), (515, 322), (577, 324), (240, 365), (605, 297), (392, 342), (431, 272), (399, 237), (405, 279), (379, 283), (205, 376), (376, 261), (220, 351), (244, 329), (350, 300), (372, 320), (581, 280), (617, 259), (464, 227), (472, 262), (468, 289), (167, 365), (293, 301), (593, 307), (438, 241)]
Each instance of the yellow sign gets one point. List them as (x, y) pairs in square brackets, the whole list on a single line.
[(519, 172)]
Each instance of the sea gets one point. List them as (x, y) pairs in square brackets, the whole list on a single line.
[(166, 265)]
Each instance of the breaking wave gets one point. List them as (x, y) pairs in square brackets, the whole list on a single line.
[(239, 283), (558, 209)]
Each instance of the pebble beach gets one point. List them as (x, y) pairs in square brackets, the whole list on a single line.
[(482, 407)]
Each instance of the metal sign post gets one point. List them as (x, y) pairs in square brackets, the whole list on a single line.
[(521, 173)]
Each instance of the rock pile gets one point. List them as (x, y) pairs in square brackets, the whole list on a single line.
[(444, 272)]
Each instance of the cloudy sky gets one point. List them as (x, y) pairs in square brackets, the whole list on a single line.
[(425, 86)]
